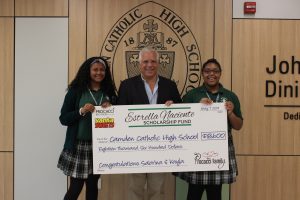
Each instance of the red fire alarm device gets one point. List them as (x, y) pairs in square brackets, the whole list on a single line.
[(249, 7)]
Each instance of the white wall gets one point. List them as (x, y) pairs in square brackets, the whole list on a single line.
[(273, 9), (41, 74)]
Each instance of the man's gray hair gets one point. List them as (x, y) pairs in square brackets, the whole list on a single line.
[(148, 49)]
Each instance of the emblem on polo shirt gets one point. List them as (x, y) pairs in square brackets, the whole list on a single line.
[(152, 24)]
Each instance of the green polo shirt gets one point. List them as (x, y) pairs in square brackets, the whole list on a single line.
[(195, 95)]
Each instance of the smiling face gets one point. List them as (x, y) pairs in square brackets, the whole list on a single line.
[(149, 65), (211, 75), (97, 73)]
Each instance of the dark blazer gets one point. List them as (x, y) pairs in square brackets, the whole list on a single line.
[(132, 91)]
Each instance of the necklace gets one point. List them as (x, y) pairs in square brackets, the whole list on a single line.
[(95, 99), (217, 99)]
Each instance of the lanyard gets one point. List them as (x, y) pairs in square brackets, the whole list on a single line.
[(95, 99), (217, 99)]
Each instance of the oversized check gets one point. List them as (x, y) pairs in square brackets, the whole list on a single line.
[(157, 138)]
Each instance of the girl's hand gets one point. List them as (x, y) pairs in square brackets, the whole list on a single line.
[(229, 107), (206, 101), (87, 108), (106, 104)]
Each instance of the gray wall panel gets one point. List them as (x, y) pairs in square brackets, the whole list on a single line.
[(41, 75)]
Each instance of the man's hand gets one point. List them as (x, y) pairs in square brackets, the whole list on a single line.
[(169, 102)]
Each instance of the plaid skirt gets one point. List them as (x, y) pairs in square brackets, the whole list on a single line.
[(214, 177), (77, 163)]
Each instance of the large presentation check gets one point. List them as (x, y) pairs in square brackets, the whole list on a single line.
[(157, 138)]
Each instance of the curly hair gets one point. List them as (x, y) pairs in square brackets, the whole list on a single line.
[(83, 78)]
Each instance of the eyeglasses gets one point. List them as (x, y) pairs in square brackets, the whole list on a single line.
[(214, 71)]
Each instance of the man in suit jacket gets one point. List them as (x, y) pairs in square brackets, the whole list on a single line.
[(147, 88)]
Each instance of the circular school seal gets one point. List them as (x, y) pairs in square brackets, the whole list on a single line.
[(152, 24)]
